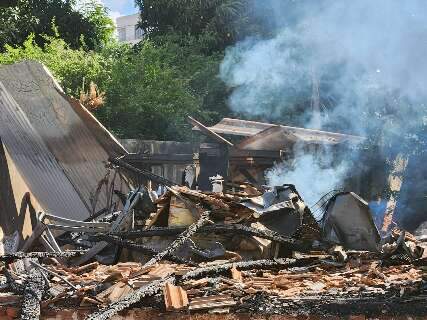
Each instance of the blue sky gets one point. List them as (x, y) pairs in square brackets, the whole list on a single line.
[(120, 7)]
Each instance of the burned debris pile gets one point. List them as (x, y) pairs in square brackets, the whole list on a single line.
[(217, 252), (83, 229)]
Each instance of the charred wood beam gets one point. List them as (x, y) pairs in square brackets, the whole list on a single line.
[(35, 287), (247, 265), (136, 247), (146, 291), (8, 258), (182, 238), (147, 174)]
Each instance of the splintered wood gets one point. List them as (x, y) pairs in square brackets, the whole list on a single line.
[(222, 257), (100, 285)]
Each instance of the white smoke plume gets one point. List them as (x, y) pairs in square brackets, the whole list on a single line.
[(369, 58), (327, 176)]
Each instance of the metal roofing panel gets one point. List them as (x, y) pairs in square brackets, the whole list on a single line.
[(60, 157), (282, 134), (42, 173)]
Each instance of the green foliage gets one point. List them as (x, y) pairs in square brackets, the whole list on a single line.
[(151, 92), (217, 22), (71, 67), (36, 16), (98, 17)]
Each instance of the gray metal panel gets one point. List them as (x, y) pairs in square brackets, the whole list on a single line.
[(37, 165), (349, 220)]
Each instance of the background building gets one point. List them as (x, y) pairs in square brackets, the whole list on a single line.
[(127, 29)]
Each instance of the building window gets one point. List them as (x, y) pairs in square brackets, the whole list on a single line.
[(138, 32), (122, 34)]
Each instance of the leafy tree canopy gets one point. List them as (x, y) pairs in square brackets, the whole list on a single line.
[(218, 22), (90, 25)]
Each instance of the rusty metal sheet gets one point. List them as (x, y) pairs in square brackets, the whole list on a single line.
[(266, 135), (59, 157)]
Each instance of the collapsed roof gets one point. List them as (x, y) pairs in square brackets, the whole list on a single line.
[(266, 136)]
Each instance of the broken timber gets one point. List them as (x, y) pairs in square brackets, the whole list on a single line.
[(175, 245), (395, 181), (123, 304), (154, 286), (209, 132), (245, 265), (21, 255)]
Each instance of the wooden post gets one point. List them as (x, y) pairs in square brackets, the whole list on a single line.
[(395, 180)]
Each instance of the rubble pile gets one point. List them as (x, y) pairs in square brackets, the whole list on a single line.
[(205, 251)]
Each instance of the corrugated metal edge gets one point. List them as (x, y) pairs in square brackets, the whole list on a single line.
[(39, 169), (83, 156)]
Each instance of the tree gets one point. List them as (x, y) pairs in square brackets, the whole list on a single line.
[(148, 97), (97, 15), (218, 22), (90, 25)]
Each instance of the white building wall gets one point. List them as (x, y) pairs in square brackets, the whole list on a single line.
[(127, 30)]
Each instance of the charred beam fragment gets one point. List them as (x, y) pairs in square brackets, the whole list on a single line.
[(246, 265), (146, 291), (182, 238), (8, 258), (54, 274), (136, 247), (34, 288)]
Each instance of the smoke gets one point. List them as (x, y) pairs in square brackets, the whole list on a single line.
[(368, 59), (327, 177)]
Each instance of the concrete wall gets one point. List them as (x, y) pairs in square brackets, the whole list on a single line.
[(127, 30)]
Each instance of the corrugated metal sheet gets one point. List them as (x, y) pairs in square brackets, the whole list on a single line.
[(277, 134), (56, 153), (42, 173)]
